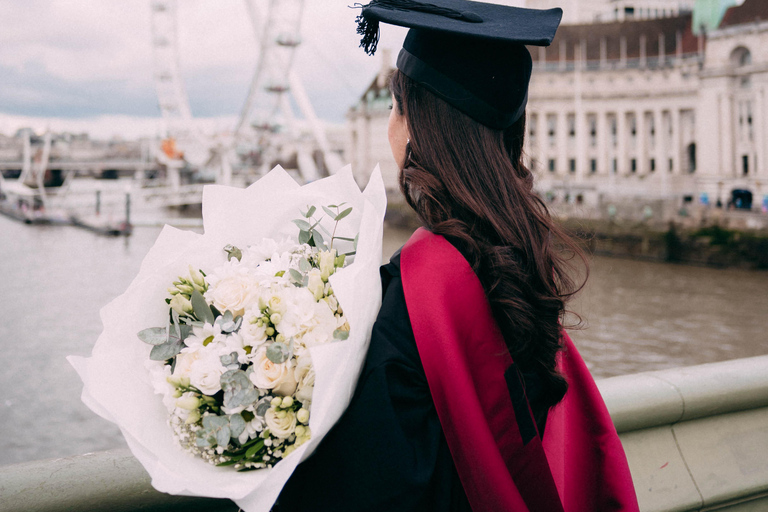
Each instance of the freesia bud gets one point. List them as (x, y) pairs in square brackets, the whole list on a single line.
[(276, 402), (189, 402), (193, 417), (303, 415), (181, 304), (275, 318), (287, 401), (185, 288), (197, 277), (300, 430)]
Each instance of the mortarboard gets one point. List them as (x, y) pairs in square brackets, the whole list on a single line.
[(470, 54)]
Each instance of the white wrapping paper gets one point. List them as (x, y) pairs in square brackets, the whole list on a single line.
[(117, 386)]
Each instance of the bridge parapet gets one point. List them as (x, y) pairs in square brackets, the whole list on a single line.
[(696, 439)]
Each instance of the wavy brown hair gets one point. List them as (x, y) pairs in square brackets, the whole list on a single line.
[(468, 183)]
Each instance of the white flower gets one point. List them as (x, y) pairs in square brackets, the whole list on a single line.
[(200, 334), (268, 375), (235, 343), (298, 309), (252, 333), (202, 366), (159, 373), (327, 263), (251, 429), (280, 425), (316, 285), (232, 288), (304, 373)]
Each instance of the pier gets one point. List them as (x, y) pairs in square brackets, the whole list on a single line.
[(696, 439)]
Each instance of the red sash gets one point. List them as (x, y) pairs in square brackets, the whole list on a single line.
[(580, 467)]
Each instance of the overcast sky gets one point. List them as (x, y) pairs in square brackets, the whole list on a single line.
[(82, 59)]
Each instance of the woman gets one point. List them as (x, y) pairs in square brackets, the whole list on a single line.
[(463, 403)]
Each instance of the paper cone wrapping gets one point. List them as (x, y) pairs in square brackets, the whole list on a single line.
[(117, 386)]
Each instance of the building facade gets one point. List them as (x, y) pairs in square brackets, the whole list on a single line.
[(641, 108)]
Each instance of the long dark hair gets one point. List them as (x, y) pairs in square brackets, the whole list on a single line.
[(468, 182)]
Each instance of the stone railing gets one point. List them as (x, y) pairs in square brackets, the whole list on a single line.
[(696, 439)]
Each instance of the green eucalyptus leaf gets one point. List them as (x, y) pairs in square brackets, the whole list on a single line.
[(238, 389), (318, 239), (154, 335), (339, 261), (166, 350), (296, 276), (310, 212), (236, 425), (231, 462), (340, 334), (303, 225), (217, 427), (346, 239), (304, 237), (229, 361), (305, 265), (278, 352), (202, 309), (330, 212), (357, 238), (343, 214)]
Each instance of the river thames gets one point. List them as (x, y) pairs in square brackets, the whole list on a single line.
[(638, 316)]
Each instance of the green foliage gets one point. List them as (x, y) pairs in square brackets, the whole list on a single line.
[(238, 389)]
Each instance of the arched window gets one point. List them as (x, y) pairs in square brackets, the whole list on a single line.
[(741, 56)]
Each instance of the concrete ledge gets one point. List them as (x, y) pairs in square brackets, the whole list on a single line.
[(666, 397), (696, 439), (111, 481)]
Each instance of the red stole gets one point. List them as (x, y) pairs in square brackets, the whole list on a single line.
[(580, 466)]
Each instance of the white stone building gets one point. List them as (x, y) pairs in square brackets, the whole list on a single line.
[(640, 108)]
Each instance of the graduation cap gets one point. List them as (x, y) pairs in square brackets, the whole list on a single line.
[(470, 54)]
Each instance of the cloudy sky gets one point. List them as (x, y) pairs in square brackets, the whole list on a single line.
[(81, 59), (89, 62)]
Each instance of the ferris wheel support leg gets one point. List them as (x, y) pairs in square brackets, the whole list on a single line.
[(332, 161)]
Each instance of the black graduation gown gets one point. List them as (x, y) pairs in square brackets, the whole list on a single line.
[(388, 451)]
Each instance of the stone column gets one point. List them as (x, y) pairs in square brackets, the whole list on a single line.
[(641, 148), (759, 121), (561, 134), (621, 147), (676, 142), (603, 139), (727, 161)]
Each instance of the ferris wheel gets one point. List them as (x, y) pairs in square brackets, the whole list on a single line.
[(267, 120)]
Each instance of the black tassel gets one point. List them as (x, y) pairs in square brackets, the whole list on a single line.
[(369, 28), (370, 31)]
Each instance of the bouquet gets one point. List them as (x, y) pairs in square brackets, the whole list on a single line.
[(224, 382)]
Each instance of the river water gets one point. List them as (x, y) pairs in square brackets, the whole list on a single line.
[(639, 316)]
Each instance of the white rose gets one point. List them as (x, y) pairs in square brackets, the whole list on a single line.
[(304, 373), (233, 293), (159, 373), (316, 285), (280, 427), (205, 371), (268, 375), (327, 263)]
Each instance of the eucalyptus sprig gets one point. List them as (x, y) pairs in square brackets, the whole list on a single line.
[(309, 227)]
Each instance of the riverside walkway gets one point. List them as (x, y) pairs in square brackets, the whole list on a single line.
[(696, 439)]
